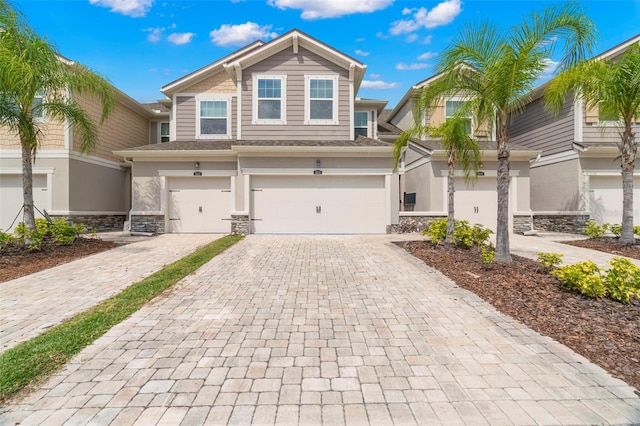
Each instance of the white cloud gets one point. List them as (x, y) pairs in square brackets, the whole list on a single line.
[(133, 8), (375, 76), (381, 35), (361, 53), (442, 14), (550, 67), (155, 34), (408, 11), (427, 55), (317, 9), (411, 67), (378, 85), (241, 34), (427, 39), (180, 38), (411, 38), (360, 40)]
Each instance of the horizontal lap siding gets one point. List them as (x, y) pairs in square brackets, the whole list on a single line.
[(295, 67), (185, 117), (538, 129), (599, 134)]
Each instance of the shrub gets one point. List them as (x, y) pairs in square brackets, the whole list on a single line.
[(487, 253), (63, 233), (636, 230), (31, 238), (464, 235), (60, 231), (622, 280), (5, 239), (550, 260), (584, 277), (594, 230), (615, 229)]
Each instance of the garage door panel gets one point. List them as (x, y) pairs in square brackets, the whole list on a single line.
[(476, 202), (199, 205), (605, 199), (13, 198), (318, 204)]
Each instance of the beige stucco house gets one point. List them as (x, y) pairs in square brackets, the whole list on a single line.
[(93, 188), (577, 177), (269, 139), (423, 172)]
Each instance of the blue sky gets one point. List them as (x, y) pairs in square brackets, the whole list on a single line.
[(141, 45)]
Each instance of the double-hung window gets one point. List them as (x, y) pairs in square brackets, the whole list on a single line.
[(37, 111), (321, 99), (451, 109), (269, 106), (361, 123), (164, 132), (214, 120)]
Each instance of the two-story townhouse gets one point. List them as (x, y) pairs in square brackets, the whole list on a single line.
[(577, 177), (92, 188), (423, 171), (269, 139)]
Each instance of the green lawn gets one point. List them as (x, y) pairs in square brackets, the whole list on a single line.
[(38, 358)]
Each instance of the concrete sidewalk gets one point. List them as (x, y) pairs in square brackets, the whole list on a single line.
[(29, 305), (324, 330)]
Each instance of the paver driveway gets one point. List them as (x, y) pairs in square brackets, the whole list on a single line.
[(331, 329)]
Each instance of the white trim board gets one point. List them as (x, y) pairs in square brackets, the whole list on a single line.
[(190, 173), (487, 173), (309, 171), (60, 154)]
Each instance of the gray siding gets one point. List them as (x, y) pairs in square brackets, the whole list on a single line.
[(185, 117), (595, 134), (538, 129), (295, 67), (557, 187), (154, 132)]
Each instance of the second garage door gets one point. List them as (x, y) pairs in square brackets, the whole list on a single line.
[(605, 201), (200, 205), (12, 198), (318, 204)]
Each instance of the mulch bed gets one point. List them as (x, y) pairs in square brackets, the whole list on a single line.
[(604, 331), (609, 245), (17, 262)]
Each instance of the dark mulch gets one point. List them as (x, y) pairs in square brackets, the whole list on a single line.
[(609, 245), (604, 331), (17, 262)]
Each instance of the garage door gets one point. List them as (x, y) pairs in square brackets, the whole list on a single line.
[(318, 204), (605, 201), (477, 202), (200, 205), (12, 198)]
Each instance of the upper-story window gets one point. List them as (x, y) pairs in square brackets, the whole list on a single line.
[(361, 123), (605, 114), (165, 132), (36, 109), (269, 99), (214, 120), (452, 107), (321, 99)]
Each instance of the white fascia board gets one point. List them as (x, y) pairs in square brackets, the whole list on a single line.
[(555, 158), (487, 173), (172, 155), (63, 154), (35, 171), (619, 48), (319, 150), (203, 173), (492, 155), (287, 171)]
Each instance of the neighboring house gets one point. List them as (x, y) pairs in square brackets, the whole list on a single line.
[(423, 172), (92, 188), (577, 176), (269, 139)]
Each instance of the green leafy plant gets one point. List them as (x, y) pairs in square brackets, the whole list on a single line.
[(550, 260), (31, 238), (437, 231), (585, 277), (464, 234), (593, 230), (487, 253), (615, 229), (622, 280), (64, 233), (636, 230), (5, 239)]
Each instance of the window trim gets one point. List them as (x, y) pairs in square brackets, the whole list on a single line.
[(458, 99), (213, 97), (160, 131), (42, 118), (368, 125), (283, 99), (307, 99)]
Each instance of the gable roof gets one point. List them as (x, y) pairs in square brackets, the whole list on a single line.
[(259, 50), (413, 90)]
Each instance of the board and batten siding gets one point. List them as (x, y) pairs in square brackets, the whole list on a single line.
[(538, 129), (186, 117), (295, 67)]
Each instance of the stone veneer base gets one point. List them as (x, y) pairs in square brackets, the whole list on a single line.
[(569, 223), (101, 223), (147, 223), (240, 224)]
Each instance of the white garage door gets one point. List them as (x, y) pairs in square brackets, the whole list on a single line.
[(12, 198), (605, 201), (200, 205), (318, 204), (477, 202)]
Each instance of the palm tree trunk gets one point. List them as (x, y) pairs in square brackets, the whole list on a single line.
[(628, 155), (450, 193), (503, 254), (27, 186)]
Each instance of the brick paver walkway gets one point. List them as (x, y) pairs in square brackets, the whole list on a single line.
[(31, 304), (325, 329)]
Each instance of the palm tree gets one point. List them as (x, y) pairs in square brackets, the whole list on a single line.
[(461, 150), (35, 81), (615, 88), (495, 70)]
